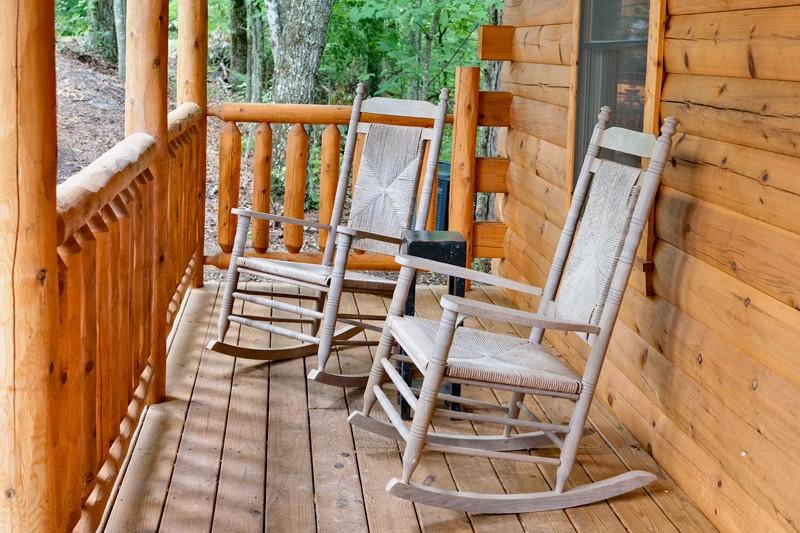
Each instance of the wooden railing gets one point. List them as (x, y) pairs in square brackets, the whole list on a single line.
[(103, 367), (491, 109)]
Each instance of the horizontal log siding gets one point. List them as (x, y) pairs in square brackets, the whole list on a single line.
[(704, 373)]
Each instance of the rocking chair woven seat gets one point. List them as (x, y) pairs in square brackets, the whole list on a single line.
[(488, 357), (317, 274)]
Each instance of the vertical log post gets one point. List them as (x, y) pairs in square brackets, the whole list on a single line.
[(328, 177), (192, 87), (462, 176), (262, 183), (295, 187), (146, 111), (230, 167), (28, 265)]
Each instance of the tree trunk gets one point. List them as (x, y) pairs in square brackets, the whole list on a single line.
[(102, 29), (238, 28), (297, 31), (119, 26), (433, 29), (255, 51)]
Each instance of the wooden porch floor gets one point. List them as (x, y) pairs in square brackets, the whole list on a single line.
[(248, 446)]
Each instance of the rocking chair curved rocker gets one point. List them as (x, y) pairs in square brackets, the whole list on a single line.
[(385, 192), (582, 295)]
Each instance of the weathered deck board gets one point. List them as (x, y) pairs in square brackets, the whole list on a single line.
[(242, 445)]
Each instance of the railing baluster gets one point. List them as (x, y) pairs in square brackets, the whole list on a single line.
[(117, 395), (88, 362), (262, 183), (105, 347), (230, 164), (295, 195), (125, 276), (67, 373), (328, 176)]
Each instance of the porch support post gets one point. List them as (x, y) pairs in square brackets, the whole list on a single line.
[(28, 265), (462, 173), (192, 87), (146, 111)]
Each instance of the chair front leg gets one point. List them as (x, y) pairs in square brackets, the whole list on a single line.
[(426, 404), (569, 450), (396, 309), (232, 278), (328, 328)]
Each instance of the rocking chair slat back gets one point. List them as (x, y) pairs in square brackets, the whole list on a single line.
[(388, 178)]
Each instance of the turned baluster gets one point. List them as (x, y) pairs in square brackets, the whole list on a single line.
[(262, 182), (295, 187), (230, 166), (328, 177)]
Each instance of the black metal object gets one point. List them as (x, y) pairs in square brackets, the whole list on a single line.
[(443, 196), (446, 247)]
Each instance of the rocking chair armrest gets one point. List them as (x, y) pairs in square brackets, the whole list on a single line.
[(279, 218), (515, 316), (466, 273), (361, 234)]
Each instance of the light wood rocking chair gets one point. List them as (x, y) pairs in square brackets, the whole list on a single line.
[(382, 206), (582, 295)]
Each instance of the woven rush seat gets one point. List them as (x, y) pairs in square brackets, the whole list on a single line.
[(482, 356), (317, 274)]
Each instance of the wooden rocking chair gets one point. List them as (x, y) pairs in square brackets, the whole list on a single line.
[(382, 207), (583, 293)]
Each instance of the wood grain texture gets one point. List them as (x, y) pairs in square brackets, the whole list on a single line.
[(548, 83), (329, 175), (491, 174), (537, 156), (28, 266), (536, 193), (759, 255), (295, 185), (757, 113), (682, 7), (525, 13), (753, 182), (230, 166), (540, 119), (262, 185), (494, 43), (550, 44), (757, 43)]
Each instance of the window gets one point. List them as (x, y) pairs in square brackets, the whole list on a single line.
[(613, 59)]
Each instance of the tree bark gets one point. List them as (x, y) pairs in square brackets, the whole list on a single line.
[(102, 29), (255, 51), (433, 29), (119, 26), (297, 31), (238, 29)]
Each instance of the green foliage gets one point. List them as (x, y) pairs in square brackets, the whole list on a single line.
[(72, 17)]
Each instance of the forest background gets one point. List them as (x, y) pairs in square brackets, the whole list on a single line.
[(309, 51)]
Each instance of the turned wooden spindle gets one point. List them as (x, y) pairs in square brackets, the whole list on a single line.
[(230, 166), (328, 177), (295, 195), (262, 183)]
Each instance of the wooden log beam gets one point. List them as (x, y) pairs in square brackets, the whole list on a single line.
[(490, 174), (192, 87), (306, 114), (146, 111), (494, 43), (28, 265)]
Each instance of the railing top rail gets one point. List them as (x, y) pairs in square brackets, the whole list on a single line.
[(83, 194), (306, 114), (181, 119)]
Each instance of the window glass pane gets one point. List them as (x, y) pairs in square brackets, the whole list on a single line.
[(612, 69), (618, 20)]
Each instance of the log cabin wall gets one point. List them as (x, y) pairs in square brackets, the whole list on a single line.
[(705, 371)]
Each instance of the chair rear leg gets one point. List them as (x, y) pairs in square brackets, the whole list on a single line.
[(319, 305), (426, 404), (396, 309), (232, 277)]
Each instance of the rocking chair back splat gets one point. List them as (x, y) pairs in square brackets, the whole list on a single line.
[(384, 196), (582, 295)]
